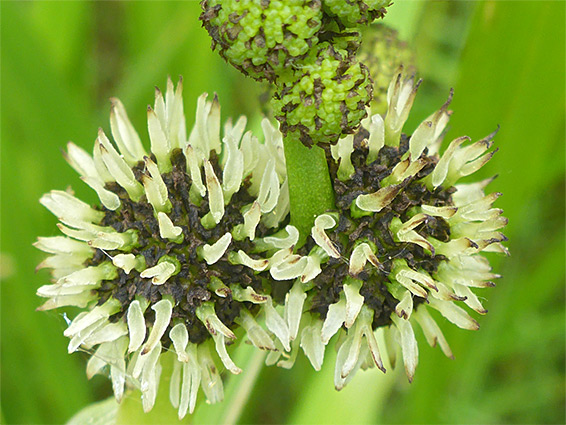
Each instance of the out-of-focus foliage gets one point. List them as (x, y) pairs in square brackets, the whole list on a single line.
[(61, 61)]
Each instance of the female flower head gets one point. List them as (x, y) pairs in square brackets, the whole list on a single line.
[(175, 258), (406, 238)]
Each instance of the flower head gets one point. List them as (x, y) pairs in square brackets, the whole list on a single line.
[(176, 257), (407, 238)]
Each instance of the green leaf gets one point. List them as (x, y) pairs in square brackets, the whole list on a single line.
[(100, 413)]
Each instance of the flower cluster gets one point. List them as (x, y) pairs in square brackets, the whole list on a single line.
[(177, 257), (405, 238), (307, 49), (191, 246)]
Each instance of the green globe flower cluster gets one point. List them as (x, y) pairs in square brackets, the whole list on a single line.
[(325, 99), (307, 49), (262, 38)]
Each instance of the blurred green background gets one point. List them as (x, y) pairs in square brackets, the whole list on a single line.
[(61, 61)]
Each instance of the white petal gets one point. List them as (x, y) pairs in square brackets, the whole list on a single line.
[(269, 188), (254, 332), (283, 242), (376, 201), (160, 144), (322, 223), (211, 380), (220, 343), (193, 168), (163, 310), (241, 257), (96, 314), (294, 302), (354, 301), (251, 220), (277, 325), (136, 326), (167, 230), (213, 253), (215, 195), (376, 137), (69, 209), (62, 245), (234, 168), (191, 382), (160, 273), (360, 255), (155, 188), (206, 314), (408, 346), (335, 318), (125, 135), (312, 345), (342, 152), (293, 266), (180, 338), (441, 170), (455, 314), (118, 168)]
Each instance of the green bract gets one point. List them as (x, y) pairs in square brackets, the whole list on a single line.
[(353, 12), (262, 38), (326, 98)]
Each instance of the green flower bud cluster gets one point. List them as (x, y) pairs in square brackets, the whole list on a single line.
[(262, 38), (307, 48), (326, 98), (383, 52)]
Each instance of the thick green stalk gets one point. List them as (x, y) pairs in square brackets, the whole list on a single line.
[(310, 188)]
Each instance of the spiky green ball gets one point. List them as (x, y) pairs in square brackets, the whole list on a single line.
[(355, 12), (325, 99), (262, 38)]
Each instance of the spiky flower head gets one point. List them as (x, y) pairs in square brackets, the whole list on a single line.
[(326, 98), (406, 238), (262, 38), (351, 13), (177, 256)]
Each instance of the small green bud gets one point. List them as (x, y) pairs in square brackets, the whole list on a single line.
[(262, 38), (355, 12), (326, 98)]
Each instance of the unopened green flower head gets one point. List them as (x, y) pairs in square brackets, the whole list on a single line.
[(383, 52), (406, 237), (326, 98), (307, 49), (178, 255), (262, 38), (351, 13)]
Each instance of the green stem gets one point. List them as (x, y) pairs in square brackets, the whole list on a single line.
[(245, 387), (310, 188)]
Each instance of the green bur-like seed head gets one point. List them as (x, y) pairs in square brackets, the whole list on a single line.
[(354, 12), (262, 38), (325, 99)]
